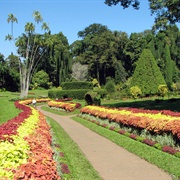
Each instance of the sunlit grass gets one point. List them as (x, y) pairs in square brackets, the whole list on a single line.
[(7, 108)]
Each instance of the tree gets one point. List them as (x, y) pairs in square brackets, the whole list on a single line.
[(12, 18), (13, 81), (30, 49), (133, 49), (147, 75), (165, 10), (3, 70), (79, 71), (168, 69), (41, 79), (123, 3), (93, 29)]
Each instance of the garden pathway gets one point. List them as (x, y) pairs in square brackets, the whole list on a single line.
[(110, 161)]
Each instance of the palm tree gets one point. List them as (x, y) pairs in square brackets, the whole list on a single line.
[(12, 19), (29, 28), (37, 17), (45, 27)]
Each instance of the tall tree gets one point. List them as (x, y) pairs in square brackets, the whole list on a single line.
[(11, 19), (168, 69), (93, 29), (147, 75), (56, 61), (30, 51), (12, 78), (3, 69)]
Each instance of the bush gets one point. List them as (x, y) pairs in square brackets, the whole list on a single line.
[(92, 98), (76, 85), (41, 80), (110, 86), (2, 89), (61, 94), (135, 92), (163, 90), (101, 92), (157, 146)]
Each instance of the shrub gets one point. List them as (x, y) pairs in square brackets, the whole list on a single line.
[(92, 98), (147, 75), (96, 83), (177, 154), (121, 131), (169, 150), (135, 92), (41, 80), (140, 139), (133, 136), (163, 90), (149, 142), (157, 146), (110, 86)]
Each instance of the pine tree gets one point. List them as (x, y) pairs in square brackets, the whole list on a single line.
[(147, 75), (168, 69)]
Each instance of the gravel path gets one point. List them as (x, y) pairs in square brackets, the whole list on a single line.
[(110, 161)]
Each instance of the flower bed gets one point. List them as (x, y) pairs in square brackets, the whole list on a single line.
[(151, 120), (149, 142), (25, 146), (68, 106)]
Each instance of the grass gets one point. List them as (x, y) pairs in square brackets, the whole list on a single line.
[(79, 166), (7, 108), (172, 104)]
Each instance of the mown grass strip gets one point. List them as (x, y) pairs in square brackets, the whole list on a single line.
[(79, 166), (166, 162), (7, 108)]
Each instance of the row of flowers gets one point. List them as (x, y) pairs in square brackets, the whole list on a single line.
[(156, 122), (166, 148), (25, 142), (68, 106)]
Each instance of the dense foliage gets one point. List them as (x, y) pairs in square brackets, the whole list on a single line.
[(101, 54), (147, 75)]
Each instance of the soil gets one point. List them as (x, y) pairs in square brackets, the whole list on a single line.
[(108, 159)]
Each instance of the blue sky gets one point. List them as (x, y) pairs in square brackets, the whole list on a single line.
[(70, 17)]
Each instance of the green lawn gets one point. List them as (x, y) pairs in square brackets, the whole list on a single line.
[(7, 108)]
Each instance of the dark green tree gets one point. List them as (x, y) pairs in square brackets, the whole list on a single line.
[(12, 78), (93, 29), (133, 49), (56, 61), (168, 68), (147, 75), (41, 80), (3, 71)]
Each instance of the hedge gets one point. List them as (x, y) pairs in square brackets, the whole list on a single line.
[(76, 85), (61, 94), (92, 98)]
